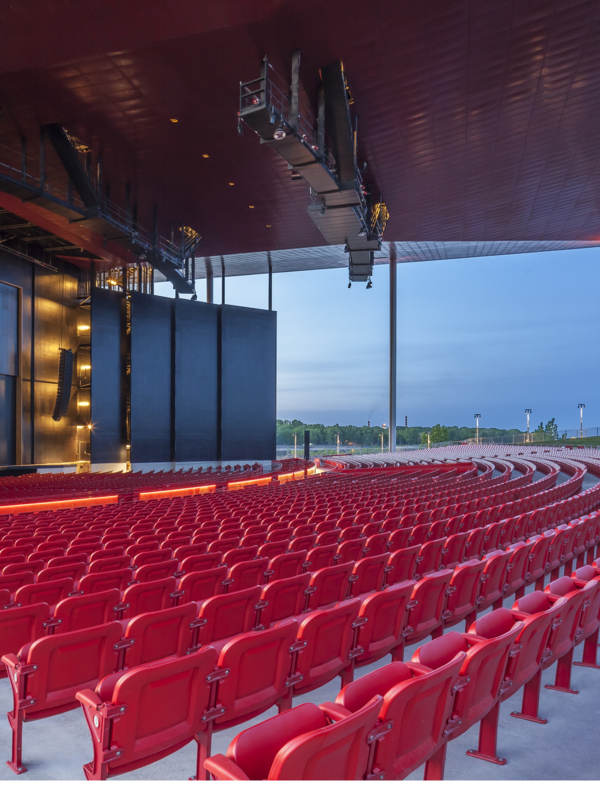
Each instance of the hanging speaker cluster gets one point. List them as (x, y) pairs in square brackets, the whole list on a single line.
[(65, 379)]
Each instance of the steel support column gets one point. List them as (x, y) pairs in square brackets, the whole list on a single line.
[(222, 281), (393, 313), (270, 263), (209, 280)]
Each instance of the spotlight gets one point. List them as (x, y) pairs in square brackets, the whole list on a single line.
[(369, 284), (279, 134), (362, 234), (295, 175)]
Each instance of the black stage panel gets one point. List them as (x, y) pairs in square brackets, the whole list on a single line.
[(106, 410), (248, 375), (150, 378), (196, 384)]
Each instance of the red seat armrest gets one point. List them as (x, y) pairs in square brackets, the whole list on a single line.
[(334, 711), (224, 769)]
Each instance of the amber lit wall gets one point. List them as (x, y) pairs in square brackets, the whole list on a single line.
[(47, 320)]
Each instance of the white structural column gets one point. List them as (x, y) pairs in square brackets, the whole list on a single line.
[(393, 311)]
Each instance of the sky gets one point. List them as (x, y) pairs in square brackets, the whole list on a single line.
[(490, 335)]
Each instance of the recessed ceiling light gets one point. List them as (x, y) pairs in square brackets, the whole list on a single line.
[(205, 155), (230, 183), (174, 120), (250, 205)]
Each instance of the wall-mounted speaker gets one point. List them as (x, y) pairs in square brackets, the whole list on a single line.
[(65, 379)]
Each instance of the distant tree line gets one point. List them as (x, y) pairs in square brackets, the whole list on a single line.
[(370, 435)]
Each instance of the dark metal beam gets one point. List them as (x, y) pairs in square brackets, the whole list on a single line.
[(270, 263), (71, 161)]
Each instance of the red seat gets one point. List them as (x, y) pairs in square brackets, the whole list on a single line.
[(482, 673), (463, 593), (202, 584), (99, 581), (57, 676), (150, 712), (258, 668), (320, 557), (329, 585), (86, 610), (49, 592), (13, 582), (247, 573), (186, 550), (160, 634), (523, 667), (417, 702), (283, 598), (227, 615), (271, 549), (368, 574), (351, 550), (151, 557), (518, 570), (376, 544), (454, 550), (200, 563), (109, 564), (590, 618), (329, 636), (232, 557), (301, 744), (426, 606), (402, 565), (285, 565), (154, 572), (304, 542), (73, 571), (430, 557), (20, 625), (383, 617), (538, 560), (493, 580), (148, 596)]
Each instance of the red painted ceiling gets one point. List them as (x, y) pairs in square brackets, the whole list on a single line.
[(478, 120)]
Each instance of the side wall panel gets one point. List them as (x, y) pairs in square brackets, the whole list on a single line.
[(150, 378), (248, 379), (107, 412), (196, 381)]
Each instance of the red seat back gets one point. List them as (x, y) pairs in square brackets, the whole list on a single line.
[(286, 565), (368, 574), (149, 596), (202, 584), (67, 663), (329, 585), (416, 703), (21, 625), (283, 598), (384, 615), (328, 635), (87, 610), (158, 634), (259, 665), (99, 581), (160, 709), (228, 614), (402, 565), (49, 592)]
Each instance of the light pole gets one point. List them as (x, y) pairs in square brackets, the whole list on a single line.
[(381, 438), (337, 444), (477, 418), (581, 406), (295, 444), (528, 412)]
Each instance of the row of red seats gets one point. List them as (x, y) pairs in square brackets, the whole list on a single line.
[(388, 723), (442, 598)]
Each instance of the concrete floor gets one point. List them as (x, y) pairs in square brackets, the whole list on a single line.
[(567, 748)]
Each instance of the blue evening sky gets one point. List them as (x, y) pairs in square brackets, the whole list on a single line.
[(493, 335)]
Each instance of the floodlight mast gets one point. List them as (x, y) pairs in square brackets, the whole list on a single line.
[(477, 418), (528, 412), (581, 406)]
